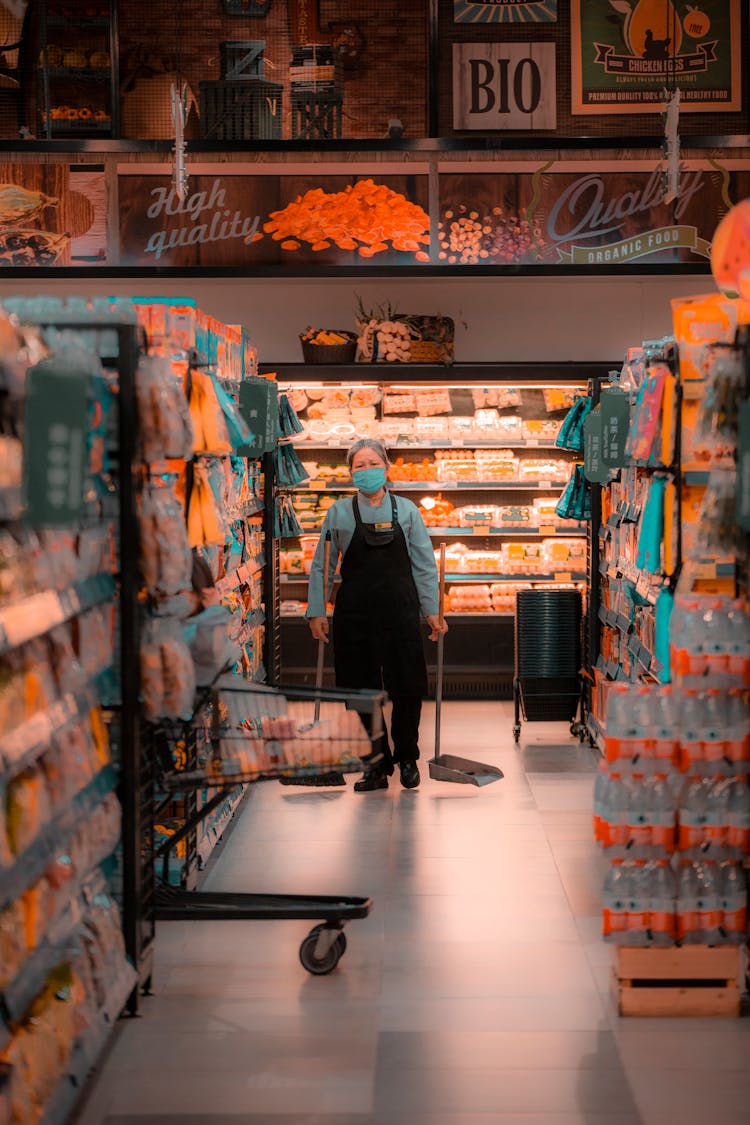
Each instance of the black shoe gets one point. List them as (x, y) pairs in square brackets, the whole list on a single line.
[(372, 779), (409, 774)]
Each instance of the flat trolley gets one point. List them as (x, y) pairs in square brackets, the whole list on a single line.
[(245, 733)]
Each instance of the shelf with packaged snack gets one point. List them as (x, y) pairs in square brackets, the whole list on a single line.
[(38, 613), (474, 447)]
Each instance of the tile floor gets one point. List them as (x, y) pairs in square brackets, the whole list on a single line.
[(477, 991)]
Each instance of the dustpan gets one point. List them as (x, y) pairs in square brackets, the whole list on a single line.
[(448, 767)]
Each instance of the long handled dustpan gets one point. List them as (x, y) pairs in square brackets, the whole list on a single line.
[(330, 777), (448, 767)]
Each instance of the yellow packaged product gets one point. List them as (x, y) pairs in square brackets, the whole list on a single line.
[(28, 809)]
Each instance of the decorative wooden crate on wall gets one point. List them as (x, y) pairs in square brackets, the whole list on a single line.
[(241, 110), (316, 114), (242, 59)]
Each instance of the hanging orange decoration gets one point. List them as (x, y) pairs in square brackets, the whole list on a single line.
[(730, 249)]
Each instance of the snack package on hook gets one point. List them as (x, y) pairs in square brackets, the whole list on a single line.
[(644, 425), (289, 469), (289, 423), (237, 428), (651, 530), (165, 551), (206, 523), (717, 526), (163, 413), (209, 425), (571, 432), (715, 432), (575, 502), (167, 671)]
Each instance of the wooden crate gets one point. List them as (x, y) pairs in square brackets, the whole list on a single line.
[(689, 980), (241, 111), (242, 59), (316, 114)]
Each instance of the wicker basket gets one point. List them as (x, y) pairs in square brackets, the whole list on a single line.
[(331, 353)]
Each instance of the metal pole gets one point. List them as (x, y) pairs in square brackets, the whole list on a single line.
[(321, 644), (440, 645)]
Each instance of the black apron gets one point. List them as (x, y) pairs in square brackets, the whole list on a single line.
[(377, 635)]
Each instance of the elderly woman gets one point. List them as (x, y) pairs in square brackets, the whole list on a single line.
[(388, 575)]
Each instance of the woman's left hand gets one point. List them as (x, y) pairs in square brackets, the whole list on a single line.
[(437, 626)]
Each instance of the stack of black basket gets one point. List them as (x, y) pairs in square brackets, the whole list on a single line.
[(547, 684)]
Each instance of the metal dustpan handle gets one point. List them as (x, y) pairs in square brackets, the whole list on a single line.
[(440, 649), (321, 644)]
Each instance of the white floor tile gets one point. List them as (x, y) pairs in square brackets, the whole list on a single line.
[(476, 992)]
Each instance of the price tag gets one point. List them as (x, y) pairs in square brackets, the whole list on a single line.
[(545, 484), (706, 570), (533, 443), (547, 529), (564, 576)]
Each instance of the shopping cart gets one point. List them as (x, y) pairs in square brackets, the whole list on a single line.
[(244, 733)]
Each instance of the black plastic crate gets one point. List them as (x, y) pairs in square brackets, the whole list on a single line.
[(240, 110)]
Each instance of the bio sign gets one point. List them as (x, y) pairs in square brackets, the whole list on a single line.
[(504, 86)]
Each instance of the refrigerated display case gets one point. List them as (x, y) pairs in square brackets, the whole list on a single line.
[(474, 447)]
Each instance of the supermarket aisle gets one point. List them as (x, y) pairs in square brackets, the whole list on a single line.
[(476, 992)]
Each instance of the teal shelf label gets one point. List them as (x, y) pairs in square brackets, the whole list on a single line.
[(593, 465), (615, 411), (259, 409), (55, 446)]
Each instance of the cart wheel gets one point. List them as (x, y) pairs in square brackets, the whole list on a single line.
[(516, 732), (321, 966)]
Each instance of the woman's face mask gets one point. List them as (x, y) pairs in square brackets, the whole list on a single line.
[(369, 480)]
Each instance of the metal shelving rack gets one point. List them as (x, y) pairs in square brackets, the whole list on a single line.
[(482, 641)]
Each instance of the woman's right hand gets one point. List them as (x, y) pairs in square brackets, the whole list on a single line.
[(319, 629)]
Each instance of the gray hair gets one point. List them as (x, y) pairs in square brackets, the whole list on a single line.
[(368, 443)]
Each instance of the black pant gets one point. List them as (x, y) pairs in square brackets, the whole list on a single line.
[(405, 716)]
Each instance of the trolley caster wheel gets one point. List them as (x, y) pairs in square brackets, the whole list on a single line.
[(516, 733), (321, 966)]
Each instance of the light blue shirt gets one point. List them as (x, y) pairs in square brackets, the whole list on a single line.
[(340, 523)]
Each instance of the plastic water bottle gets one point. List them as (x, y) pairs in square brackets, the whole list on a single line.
[(734, 903), (615, 824), (691, 815), (715, 744), (692, 659), (615, 901), (637, 931), (639, 813), (738, 816), (716, 824), (737, 728), (708, 903), (738, 637), (662, 904), (665, 731), (716, 639), (687, 905), (691, 731), (616, 722), (663, 816), (601, 788)]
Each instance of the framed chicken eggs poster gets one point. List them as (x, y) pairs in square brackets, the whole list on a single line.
[(624, 53)]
